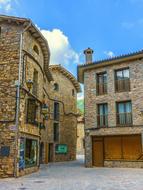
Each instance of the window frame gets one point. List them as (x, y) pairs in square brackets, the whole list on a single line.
[(104, 115), (124, 80), (56, 132), (36, 49), (56, 113), (105, 89), (36, 162), (33, 121), (117, 113), (56, 87)]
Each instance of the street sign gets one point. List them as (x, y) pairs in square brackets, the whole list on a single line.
[(61, 149)]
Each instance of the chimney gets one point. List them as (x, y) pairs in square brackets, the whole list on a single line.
[(88, 55)]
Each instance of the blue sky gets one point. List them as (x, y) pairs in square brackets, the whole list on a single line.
[(110, 27)]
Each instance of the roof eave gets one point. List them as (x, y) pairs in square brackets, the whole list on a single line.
[(83, 68), (72, 78)]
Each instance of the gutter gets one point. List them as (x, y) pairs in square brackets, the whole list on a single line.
[(18, 101)]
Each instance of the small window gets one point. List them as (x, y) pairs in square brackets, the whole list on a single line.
[(102, 117), (124, 113), (122, 80), (56, 132), (101, 83), (35, 82), (35, 48), (73, 92), (56, 87), (56, 111), (31, 112)]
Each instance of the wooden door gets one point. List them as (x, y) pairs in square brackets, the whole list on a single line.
[(51, 152), (97, 152), (46, 153)]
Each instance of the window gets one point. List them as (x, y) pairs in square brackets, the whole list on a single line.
[(31, 111), (56, 111), (102, 83), (0, 31), (102, 117), (122, 80), (56, 87), (56, 132), (73, 92), (36, 50), (30, 152), (124, 113), (35, 83)]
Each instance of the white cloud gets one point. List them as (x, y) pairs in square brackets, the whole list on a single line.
[(109, 54), (5, 5), (61, 50)]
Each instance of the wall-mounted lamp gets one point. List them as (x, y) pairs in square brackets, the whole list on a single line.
[(29, 84), (45, 109)]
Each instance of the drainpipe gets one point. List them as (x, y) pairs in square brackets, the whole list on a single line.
[(18, 84)]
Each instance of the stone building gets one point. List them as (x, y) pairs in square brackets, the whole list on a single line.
[(80, 135), (113, 110), (58, 140), (24, 62)]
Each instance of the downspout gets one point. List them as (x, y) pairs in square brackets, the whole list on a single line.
[(18, 85)]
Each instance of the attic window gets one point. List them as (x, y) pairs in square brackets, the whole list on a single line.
[(35, 48), (56, 87), (73, 92)]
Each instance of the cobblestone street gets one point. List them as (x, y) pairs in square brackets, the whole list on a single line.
[(73, 176)]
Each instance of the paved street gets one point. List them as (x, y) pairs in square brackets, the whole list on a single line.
[(73, 176)]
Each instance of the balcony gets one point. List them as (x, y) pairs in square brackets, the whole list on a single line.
[(124, 119), (102, 121), (101, 88), (122, 85)]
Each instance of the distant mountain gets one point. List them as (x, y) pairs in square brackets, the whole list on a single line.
[(80, 105)]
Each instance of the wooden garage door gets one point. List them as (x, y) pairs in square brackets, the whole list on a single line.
[(112, 148), (132, 148), (97, 152), (122, 147)]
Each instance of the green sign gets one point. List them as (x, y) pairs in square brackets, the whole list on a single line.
[(61, 149)]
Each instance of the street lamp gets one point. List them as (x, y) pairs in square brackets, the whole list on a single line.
[(45, 110), (29, 84)]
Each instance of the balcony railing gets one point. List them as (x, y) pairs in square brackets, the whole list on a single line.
[(122, 85), (101, 88), (124, 118), (102, 120)]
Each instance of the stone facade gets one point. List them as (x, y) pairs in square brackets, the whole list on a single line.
[(80, 135), (16, 159), (135, 64), (66, 96)]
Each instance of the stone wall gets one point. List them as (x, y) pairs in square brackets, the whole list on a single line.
[(91, 101), (9, 60), (80, 136), (67, 123)]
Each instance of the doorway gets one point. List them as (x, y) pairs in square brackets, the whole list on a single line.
[(51, 149), (97, 152)]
